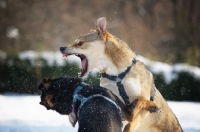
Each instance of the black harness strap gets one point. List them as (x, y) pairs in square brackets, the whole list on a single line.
[(118, 80)]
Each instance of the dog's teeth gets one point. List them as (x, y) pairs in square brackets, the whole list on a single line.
[(64, 57)]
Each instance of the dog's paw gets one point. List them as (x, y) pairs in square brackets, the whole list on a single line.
[(154, 109)]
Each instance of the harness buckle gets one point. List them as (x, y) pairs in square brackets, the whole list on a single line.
[(83, 100), (118, 79)]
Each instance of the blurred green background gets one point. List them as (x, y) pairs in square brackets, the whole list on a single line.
[(161, 30)]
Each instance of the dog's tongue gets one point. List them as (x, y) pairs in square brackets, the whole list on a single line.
[(64, 55), (84, 66)]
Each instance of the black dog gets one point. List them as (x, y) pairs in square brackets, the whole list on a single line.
[(97, 114)]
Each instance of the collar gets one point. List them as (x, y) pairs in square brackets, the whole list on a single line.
[(72, 115), (78, 88), (77, 96)]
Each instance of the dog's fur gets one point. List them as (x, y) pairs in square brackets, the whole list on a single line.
[(111, 55), (97, 114)]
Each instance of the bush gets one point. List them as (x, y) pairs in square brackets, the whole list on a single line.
[(20, 76), (184, 87)]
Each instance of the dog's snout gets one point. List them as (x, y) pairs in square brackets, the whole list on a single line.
[(62, 48)]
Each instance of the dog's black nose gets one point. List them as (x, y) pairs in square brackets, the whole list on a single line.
[(62, 48)]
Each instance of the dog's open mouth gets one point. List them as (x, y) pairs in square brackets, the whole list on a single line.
[(84, 63)]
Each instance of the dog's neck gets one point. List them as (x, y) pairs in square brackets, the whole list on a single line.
[(111, 69), (118, 56)]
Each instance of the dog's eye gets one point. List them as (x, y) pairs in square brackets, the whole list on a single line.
[(80, 43)]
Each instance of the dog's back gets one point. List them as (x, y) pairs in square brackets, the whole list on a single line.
[(99, 115)]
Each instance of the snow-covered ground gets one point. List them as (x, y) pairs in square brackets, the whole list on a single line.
[(24, 114)]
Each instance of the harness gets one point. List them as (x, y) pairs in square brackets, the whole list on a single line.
[(118, 79), (83, 99)]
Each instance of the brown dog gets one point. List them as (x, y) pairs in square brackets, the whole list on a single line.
[(111, 56)]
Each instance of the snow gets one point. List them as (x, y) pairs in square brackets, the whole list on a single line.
[(25, 114), (12, 32), (169, 71), (51, 57)]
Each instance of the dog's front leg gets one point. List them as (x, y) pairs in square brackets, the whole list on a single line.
[(140, 108)]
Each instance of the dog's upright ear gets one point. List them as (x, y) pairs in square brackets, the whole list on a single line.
[(101, 25), (44, 84)]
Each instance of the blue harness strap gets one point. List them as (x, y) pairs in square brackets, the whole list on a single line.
[(75, 93), (118, 80), (95, 96), (83, 99)]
